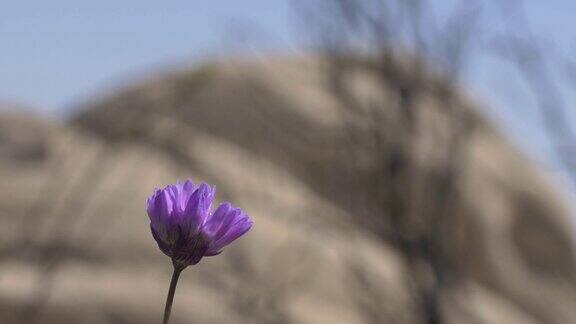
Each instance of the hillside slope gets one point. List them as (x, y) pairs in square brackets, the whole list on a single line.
[(271, 136)]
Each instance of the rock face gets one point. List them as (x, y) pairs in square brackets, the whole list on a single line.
[(273, 137), (21, 138)]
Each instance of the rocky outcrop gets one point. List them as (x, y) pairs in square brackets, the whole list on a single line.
[(272, 136)]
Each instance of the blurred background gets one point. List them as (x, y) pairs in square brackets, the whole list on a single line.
[(404, 161)]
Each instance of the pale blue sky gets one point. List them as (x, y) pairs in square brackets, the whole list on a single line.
[(57, 53)]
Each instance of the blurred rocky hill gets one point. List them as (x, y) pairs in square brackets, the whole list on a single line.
[(353, 224)]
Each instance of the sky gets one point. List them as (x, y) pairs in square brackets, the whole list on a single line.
[(55, 54)]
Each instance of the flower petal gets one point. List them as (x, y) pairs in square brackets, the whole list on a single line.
[(198, 208), (160, 213), (240, 225), (217, 220), (183, 192)]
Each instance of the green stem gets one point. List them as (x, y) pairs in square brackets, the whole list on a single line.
[(168, 309)]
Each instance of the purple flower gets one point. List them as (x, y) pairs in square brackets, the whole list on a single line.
[(185, 226)]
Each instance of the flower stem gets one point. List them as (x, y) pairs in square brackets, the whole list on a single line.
[(175, 275)]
